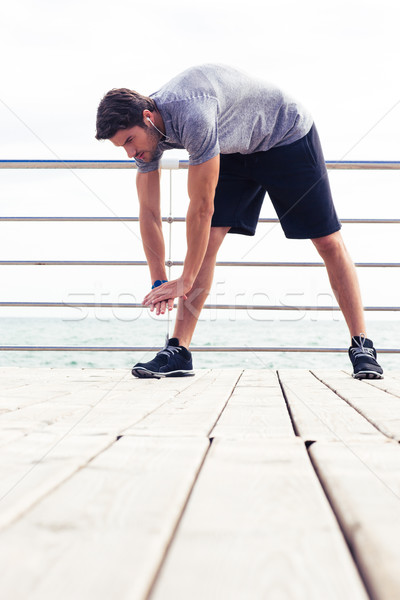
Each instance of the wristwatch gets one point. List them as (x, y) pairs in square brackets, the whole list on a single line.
[(158, 282)]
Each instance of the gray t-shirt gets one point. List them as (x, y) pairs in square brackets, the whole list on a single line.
[(212, 109)]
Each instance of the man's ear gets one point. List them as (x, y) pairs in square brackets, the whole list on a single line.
[(147, 116)]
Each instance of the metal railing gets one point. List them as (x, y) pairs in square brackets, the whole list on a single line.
[(172, 164)]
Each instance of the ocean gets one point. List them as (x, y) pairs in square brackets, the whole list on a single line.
[(145, 331)]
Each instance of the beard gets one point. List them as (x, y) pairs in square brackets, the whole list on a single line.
[(154, 138)]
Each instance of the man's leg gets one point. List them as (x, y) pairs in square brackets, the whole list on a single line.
[(175, 360), (189, 310), (343, 278), (344, 282)]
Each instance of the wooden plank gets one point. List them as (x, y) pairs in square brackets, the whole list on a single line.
[(125, 406), (10, 383), (255, 378), (124, 409), (33, 386), (380, 408), (34, 465), (393, 374), (103, 533), (256, 409), (362, 481), (19, 397), (63, 383), (258, 526), (194, 411), (38, 416), (46, 374), (41, 414), (320, 414), (388, 384), (62, 426), (109, 408)]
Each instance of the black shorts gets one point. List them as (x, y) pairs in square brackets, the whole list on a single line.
[(296, 180)]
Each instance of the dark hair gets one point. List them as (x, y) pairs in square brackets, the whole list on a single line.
[(120, 109)]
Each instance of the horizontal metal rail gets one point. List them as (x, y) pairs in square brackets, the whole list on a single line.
[(192, 349), (172, 163), (171, 220), (175, 263), (362, 164), (206, 306)]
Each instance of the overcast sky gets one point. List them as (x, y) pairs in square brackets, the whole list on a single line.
[(340, 59)]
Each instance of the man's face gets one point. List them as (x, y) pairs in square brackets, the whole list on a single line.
[(138, 142)]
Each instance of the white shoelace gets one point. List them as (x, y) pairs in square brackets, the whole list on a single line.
[(169, 350), (361, 349)]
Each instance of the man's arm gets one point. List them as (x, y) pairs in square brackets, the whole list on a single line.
[(148, 188), (202, 181)]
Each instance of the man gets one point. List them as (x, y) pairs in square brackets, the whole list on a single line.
[(244, 138)]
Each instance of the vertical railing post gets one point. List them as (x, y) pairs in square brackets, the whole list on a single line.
[(169, 247)]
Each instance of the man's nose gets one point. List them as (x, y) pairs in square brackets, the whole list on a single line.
[(130, 153)]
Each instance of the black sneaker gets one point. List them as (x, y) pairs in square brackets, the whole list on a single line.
[(363, 356), (172, 361)]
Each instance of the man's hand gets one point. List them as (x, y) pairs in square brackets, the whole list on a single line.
[(163, 296), (160, 307)]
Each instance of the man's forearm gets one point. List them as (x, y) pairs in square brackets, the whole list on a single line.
[(148, 187), (153, 245), (198, 224), (202, 182)]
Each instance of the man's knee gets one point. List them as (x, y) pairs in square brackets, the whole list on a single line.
[(329, 244)]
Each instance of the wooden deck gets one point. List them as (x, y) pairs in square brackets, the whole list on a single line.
[(231, 485)]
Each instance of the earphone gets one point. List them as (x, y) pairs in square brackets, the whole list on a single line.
[(160, 132)]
